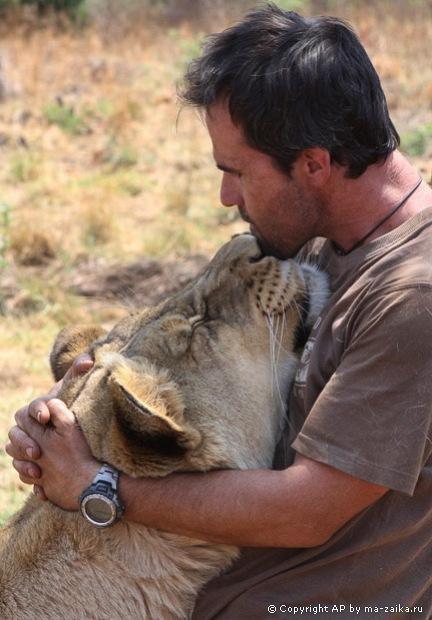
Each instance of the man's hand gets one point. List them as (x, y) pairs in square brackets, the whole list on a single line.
[(49, 450)]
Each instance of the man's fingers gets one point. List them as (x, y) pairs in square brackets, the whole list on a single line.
[(39, 492), (37, 410), (26, 437), (28, 471), (20, 446), (81, 365), (61, 417)]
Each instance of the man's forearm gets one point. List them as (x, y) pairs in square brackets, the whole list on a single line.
[(300, 507)]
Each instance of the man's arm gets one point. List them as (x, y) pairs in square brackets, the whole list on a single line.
[(302, 506), (299, 507)]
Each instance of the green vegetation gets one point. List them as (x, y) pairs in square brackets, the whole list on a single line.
[(65, 118), (70, 7), (5, 218), (418, 141)]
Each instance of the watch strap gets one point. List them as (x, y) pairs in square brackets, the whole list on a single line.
[(106, 480), (104, 486)]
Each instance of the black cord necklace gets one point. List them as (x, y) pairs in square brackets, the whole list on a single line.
[(342, 252)]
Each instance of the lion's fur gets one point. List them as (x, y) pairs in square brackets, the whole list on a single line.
[(200, 382)]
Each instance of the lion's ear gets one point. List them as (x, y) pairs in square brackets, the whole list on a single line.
[(152, 442), (71, 342)]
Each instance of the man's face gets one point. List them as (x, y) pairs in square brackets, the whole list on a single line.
[(281, 214)]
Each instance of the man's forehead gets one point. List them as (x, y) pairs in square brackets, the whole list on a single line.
[(218, 115), (229, 143)]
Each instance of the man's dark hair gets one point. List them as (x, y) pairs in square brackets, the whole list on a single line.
[(293, 83)]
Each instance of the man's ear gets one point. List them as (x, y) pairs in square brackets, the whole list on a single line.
[(315, 165)]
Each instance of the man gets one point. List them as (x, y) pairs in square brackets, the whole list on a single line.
[(301, 132)]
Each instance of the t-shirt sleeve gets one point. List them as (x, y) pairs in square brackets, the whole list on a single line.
[(373, 418)]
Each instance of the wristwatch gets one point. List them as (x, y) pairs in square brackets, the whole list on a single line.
[(100, 503)]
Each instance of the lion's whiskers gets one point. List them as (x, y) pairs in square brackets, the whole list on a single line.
[(276, 325)]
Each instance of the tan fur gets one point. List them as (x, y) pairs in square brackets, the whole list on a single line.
[(198, 383)]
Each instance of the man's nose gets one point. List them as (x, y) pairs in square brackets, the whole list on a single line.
[(230, 194)]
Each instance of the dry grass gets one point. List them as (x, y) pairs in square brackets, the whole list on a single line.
[(93, 165)]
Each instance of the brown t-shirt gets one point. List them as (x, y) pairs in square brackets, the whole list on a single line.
[(362, 403)]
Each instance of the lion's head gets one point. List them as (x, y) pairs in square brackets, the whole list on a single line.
[(200, 381)]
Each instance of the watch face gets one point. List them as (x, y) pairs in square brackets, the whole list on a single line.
[(99, 510)]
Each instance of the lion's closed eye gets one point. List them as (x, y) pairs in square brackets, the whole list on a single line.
[(197, 320)]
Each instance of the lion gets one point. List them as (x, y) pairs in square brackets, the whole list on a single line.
[(199, 382)]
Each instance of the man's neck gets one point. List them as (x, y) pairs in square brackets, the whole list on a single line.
[(382, 199)]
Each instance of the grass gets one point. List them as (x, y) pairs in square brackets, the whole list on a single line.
[(93, 164), (66, 118)]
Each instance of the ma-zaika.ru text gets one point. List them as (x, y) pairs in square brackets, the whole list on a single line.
[(337, 609)]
